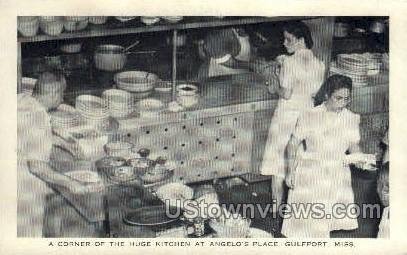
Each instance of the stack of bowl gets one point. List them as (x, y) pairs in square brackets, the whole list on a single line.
[(28, 25), (141, 84), (119, 102), (52, 25), (93, 109)]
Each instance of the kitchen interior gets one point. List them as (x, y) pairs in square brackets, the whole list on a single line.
[(163, 124)]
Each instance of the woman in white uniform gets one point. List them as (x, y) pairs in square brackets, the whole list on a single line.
[(34, 146), (301, 75), (320, 175)]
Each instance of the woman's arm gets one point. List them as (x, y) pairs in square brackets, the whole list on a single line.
[(286, 79), (61, 182)]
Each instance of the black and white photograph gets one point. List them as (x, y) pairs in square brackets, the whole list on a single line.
[(203, 126)]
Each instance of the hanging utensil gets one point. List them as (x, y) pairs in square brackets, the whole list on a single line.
[(131, 46)]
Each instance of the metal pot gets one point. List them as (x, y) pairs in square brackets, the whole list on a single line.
[(109, 57)]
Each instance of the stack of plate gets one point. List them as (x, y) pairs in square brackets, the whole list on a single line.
[(93, 109), (119, 102), (64, 119), (354, 66)]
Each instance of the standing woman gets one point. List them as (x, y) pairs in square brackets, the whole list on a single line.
[(320, 175), (301, 75)]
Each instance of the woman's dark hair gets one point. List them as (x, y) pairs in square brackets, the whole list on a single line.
[(300, 30), (332, 84)]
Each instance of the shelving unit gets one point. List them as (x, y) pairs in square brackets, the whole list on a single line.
[(135, 27)]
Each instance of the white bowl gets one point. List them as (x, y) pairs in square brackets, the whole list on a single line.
[(51, 25), (28, 25)]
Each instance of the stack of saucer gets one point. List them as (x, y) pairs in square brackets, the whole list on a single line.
[(93, 109), (119, 102)]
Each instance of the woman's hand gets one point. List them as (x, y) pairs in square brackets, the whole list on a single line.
[(362, 161)]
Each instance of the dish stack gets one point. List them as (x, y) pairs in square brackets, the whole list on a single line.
[(353, 66), (120, 103), (64, 119), (140, 84), (94, 110)]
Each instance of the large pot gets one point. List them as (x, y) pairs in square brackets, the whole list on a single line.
[(109, 57)]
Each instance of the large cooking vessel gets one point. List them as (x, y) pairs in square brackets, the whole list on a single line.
[(109, 57)]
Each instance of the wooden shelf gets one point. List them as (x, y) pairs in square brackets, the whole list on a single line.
[(109, 30)]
